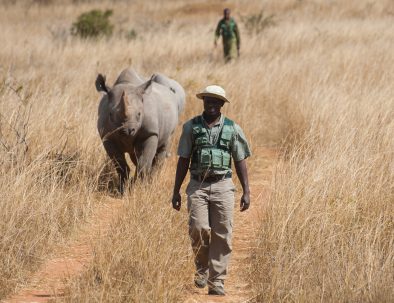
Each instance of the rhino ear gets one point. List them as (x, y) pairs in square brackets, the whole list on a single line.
[(100, 84), (145, 88)]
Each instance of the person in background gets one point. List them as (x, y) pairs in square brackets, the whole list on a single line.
[(228, 29)]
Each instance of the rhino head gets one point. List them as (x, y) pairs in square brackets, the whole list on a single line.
[(126, 110)]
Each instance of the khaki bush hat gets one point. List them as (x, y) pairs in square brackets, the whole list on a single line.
[(214, 91)]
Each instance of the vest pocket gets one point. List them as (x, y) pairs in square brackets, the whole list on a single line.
[(226, 159), (224, 143), (201, 141), (225, 139), (205, 158), (216, 158)]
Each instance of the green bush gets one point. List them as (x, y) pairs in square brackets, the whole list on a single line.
[(43, 2), (257, 23), (93, 24), (131, 35)]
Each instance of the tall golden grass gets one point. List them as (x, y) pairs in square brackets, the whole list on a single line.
[(327, 230), (318, 83)]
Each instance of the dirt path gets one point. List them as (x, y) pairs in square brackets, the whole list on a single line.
[(49, 281), (245, 226)]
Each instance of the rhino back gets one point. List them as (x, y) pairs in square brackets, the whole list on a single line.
[(175, 87), (130, 76)]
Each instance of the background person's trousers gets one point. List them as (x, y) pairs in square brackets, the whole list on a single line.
[(211, 207), (229, 49)]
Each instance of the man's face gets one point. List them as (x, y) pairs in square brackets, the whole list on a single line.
[(212, 106), (226, 14)]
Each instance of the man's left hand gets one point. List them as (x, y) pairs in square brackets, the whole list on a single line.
[(245, 202)]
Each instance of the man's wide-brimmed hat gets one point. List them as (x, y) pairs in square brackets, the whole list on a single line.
[(213, 91)]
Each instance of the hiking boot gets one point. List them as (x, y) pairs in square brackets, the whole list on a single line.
[(200, 282), (216, 290)]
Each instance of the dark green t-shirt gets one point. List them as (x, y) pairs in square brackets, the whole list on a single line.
[(228, 29)]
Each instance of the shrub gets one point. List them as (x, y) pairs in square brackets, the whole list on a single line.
[(257, 23), (131, 35), (93, 24), (43, 2)]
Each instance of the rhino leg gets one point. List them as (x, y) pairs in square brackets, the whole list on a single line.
[(147, 154), (161, 154), (134, 159), (118, 158)]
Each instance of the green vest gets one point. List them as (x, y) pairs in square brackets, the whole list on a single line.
[(211, 156), (227, 28)]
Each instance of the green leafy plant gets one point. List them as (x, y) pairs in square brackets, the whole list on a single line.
[(93, 24), (43, 2), (257, 23), (131, 34)]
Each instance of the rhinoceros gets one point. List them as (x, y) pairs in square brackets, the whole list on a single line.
[(137, 116)]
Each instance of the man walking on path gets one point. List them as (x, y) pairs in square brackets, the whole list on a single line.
[(208, 143), (228, 29)]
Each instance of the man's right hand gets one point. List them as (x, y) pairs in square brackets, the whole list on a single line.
[(181, 171), (176, 201)]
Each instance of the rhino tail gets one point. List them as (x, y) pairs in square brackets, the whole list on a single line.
[(100, 84)]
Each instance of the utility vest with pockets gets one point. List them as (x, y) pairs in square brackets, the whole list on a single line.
[(207, 156), (227, 28)]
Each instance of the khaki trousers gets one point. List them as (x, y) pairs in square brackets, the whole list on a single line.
[(211, 207)]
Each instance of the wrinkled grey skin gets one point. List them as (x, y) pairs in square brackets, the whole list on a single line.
[(174, 86), (138, 117)]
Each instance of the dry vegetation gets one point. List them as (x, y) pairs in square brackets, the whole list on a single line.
[(319, 83)]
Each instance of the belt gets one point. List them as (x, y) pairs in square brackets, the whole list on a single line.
[(210, 179)]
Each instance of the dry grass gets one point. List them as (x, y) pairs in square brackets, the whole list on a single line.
[(144, 257), (327, 230), (319, 83)]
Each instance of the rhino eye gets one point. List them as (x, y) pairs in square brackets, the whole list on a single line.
[(138, 116)]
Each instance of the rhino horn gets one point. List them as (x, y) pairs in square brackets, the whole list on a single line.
[(100, 84), (145, 88), (123, 104)]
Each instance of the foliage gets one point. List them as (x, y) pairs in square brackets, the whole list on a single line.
[(257, 23), (93, 24), (131, 34), (43, 2)]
